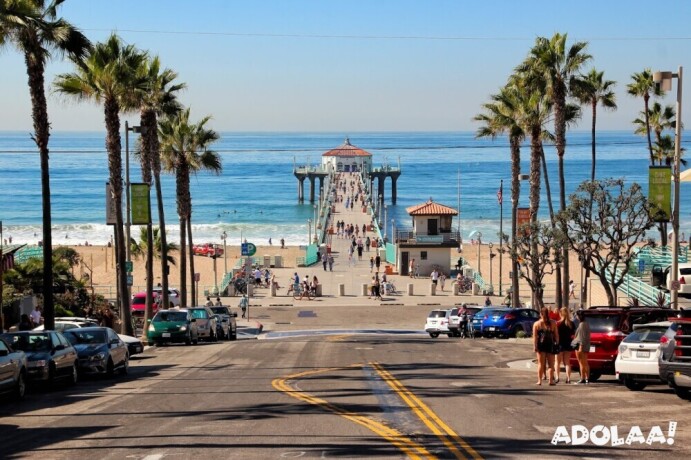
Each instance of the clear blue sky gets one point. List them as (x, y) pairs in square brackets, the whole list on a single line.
[(322, 65)]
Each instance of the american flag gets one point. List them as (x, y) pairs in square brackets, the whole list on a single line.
[(500, 194)]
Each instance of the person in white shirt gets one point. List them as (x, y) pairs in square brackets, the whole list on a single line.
[(435, 276), (36, 316)]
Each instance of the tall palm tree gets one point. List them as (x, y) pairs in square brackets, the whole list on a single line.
[(141, 248), (657, 120), (502, 116), (185, 149), (560, 67), (35, 29), (159, 98), (109, 76), (594, 90), (643, 86)]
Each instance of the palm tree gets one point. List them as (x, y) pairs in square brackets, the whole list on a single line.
[(502, 116), (141, 248), (159, 98), (657, 120), (185, 150), (593, 89), (560, 69), (643, 86), (109, 76), (35, 29)]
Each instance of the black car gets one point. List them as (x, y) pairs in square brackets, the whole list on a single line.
[(226, 316), (49, 355), (675, 357), (100, 350)]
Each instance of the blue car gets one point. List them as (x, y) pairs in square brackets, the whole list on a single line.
[(507, 322)]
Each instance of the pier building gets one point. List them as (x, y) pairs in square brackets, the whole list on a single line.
[(347, 158)]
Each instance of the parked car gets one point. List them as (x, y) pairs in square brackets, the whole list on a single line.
[(478, 318), (206, 322), (139, 299), (683, 276), (508, 322), (437, 323), (637, 359), (100, 350), (173, 295), (13, 368), (63, 324), (49, 355), (207, 249), (172, 326), (134, 345), (453, 314), (675, 357), (608, 327), (230, 318)]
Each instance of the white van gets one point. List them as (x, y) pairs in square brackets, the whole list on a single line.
[(684, 277)]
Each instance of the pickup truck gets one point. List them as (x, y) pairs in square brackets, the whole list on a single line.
[(675, 357), (207, 249)]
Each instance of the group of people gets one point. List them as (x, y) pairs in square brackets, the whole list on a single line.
[(554, 341), (344, 230), (306, 287)]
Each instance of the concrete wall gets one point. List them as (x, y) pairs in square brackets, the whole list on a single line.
[(435, 256)]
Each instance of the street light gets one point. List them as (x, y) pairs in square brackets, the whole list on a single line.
[(379, 206), (664, 79), (385, 226), (491, 256), (309, 231), (315, 223), (128, 224), (479, 243), (224, 236)]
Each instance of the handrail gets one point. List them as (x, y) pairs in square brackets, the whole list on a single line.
[(634, 287)]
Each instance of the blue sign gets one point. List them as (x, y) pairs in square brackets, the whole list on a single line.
[(244, 249), (641, 265)]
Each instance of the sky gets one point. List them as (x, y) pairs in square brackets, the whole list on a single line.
[(357, 65)]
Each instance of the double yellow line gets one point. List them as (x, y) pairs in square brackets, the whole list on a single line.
[(447, 435), (409, 447)]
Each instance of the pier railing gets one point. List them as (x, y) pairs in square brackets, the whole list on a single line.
[(407, 235)]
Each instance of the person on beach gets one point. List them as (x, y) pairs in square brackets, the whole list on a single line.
[(566, 330), (283, 243), (434, 276), (442, 280), (270, 244), (331, 262), (545, 345)]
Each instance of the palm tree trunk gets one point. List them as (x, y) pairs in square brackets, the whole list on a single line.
[(515, 195), (535, 147), (560, 134), (194, 299), (646, 98), (146, 132), (39, 115), (149, 312), (114, 148), (548, 189), (183, 263), (156, 169)]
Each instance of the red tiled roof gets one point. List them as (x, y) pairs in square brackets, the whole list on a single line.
[(431, 208), (347, 150)]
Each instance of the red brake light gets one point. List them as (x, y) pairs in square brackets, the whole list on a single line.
[(509, 316), (677, 350), (664, 339), (682, 280)]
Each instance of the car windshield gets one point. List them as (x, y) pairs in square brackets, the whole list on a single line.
[(493, 312), (199, 313), (437, 314), (139, 300), (31, 342), (220, 310), (80, 336), (650, 334), (602, 322), (471, 311), (165, 316)]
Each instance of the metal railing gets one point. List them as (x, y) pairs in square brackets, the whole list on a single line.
[(644, 292), (407, 235)]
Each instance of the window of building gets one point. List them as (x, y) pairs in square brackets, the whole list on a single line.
[(423, 255)]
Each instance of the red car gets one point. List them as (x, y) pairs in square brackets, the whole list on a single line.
[(608, 327), (208, 250)]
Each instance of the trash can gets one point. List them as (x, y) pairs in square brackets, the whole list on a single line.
[(278, 261), (657, 276), (267, 261), (389, 270)]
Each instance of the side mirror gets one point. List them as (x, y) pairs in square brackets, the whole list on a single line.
[(193, 320)]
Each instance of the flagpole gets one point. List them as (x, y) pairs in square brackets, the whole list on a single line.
[(501, 233), (460, 238)]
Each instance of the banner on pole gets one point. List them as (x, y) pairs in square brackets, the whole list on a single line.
[(660, 191), (141, 206), (110, 205), (523, 218)]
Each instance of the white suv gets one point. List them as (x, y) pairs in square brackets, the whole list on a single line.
[(437, 323)]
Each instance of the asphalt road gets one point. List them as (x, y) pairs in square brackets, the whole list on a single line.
[(335, 396)]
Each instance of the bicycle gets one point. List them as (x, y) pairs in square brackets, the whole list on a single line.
[(299, 292)]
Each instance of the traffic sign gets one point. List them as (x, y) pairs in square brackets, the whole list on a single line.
[(130, 280), (129, 266), (676, 285), (248, 249)]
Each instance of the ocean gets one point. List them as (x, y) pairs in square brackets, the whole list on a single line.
[(255, 196)]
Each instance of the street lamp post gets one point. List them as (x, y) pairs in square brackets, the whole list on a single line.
[(224, 236), (309, 231), (491, 256), (385, 226), (128, 223), (379, 206), (315, 223), (664, 79), (479, 244)]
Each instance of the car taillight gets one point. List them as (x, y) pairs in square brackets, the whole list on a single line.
[(664, 340), (615, 335), (677, 349), (682, 280), (510, 316)]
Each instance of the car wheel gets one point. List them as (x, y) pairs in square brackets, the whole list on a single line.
[(594, 376), (516, 330), (188, 339), (110, 368), (234, 335), (126, 365), (434, 335), (683, 393), (20, 386), (196, 340), (449, 335), (633, 385), (74, 378), (51, 375)]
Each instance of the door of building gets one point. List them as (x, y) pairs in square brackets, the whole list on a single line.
[(404, 263), (432, 228)]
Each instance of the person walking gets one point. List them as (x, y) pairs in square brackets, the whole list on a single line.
[(350, 255), (36, 316), (243, 304), (572, 290), (442, 280), (581, 345), (331, 262), (545, 342), (368, 242), (411, 268), (218, 302), (434, 276), (359, 251), (283, 243), (566, 330), (325, 260), (377, 261), (371, 264)]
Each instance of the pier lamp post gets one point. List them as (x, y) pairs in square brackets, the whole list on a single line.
[(379, 206), (393, 230), (315, 222), (664, 79), (385, 226), (128, 223), (224, 236), (479, 244), (309, 231), (491, 256)]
